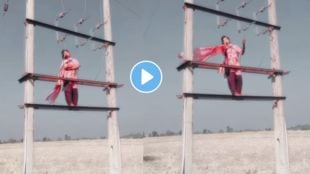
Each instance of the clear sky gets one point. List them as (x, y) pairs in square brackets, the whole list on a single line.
[(152, 30)]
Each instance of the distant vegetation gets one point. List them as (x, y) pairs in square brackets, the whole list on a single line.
[(228, 129), (138, 135), (300, 127)]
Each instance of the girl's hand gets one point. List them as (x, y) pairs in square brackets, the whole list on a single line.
[(243, 41), (221, 70)]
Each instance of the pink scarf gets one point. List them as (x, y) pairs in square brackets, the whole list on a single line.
[(51, 98), (54, 94), (204, 53)]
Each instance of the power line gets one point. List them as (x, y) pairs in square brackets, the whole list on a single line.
[(127, 8), (151, 19)]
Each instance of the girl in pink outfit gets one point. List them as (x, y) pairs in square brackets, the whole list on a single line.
[(68, 69), (232, 55)]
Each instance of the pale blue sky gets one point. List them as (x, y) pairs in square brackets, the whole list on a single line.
[(152, 30)]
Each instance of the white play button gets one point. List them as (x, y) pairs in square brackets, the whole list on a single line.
[(145, 76)]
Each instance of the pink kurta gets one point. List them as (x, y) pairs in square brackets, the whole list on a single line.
[(232, 56), (69, 69)]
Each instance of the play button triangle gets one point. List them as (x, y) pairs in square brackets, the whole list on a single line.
[(145, 76)]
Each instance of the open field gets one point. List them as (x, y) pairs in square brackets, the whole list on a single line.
[(72, 157), (227, 153)]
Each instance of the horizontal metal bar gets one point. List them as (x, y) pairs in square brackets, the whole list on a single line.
[(51, 78), (65, 107), (184, 65), (231, 97), (246, 69), (231, 16), (63, 30)]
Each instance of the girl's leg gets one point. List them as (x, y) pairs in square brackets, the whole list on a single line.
[(68, 94), (239, 84), (231, 82), (75, 96)]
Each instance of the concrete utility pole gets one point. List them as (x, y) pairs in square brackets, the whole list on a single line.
[(113, 128), (187, 132), (29, 90), (280, 131)]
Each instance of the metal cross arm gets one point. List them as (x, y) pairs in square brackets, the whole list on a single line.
[(65, 107), (231, 16), (200, 96), (63, 30), (246, 69), (85, 82)]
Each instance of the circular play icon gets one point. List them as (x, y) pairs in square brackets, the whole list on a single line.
[(146, 76)]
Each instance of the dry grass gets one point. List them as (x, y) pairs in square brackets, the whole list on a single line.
[(68, 157), (234, 153)]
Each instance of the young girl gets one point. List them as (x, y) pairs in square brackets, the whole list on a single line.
[(68, 69), (232, 55)]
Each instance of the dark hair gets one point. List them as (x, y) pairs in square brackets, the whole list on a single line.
[(224, 52), (222, 38), (63, 52)]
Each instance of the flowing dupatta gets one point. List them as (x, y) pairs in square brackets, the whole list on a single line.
[(51, 98), (204, 53)]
